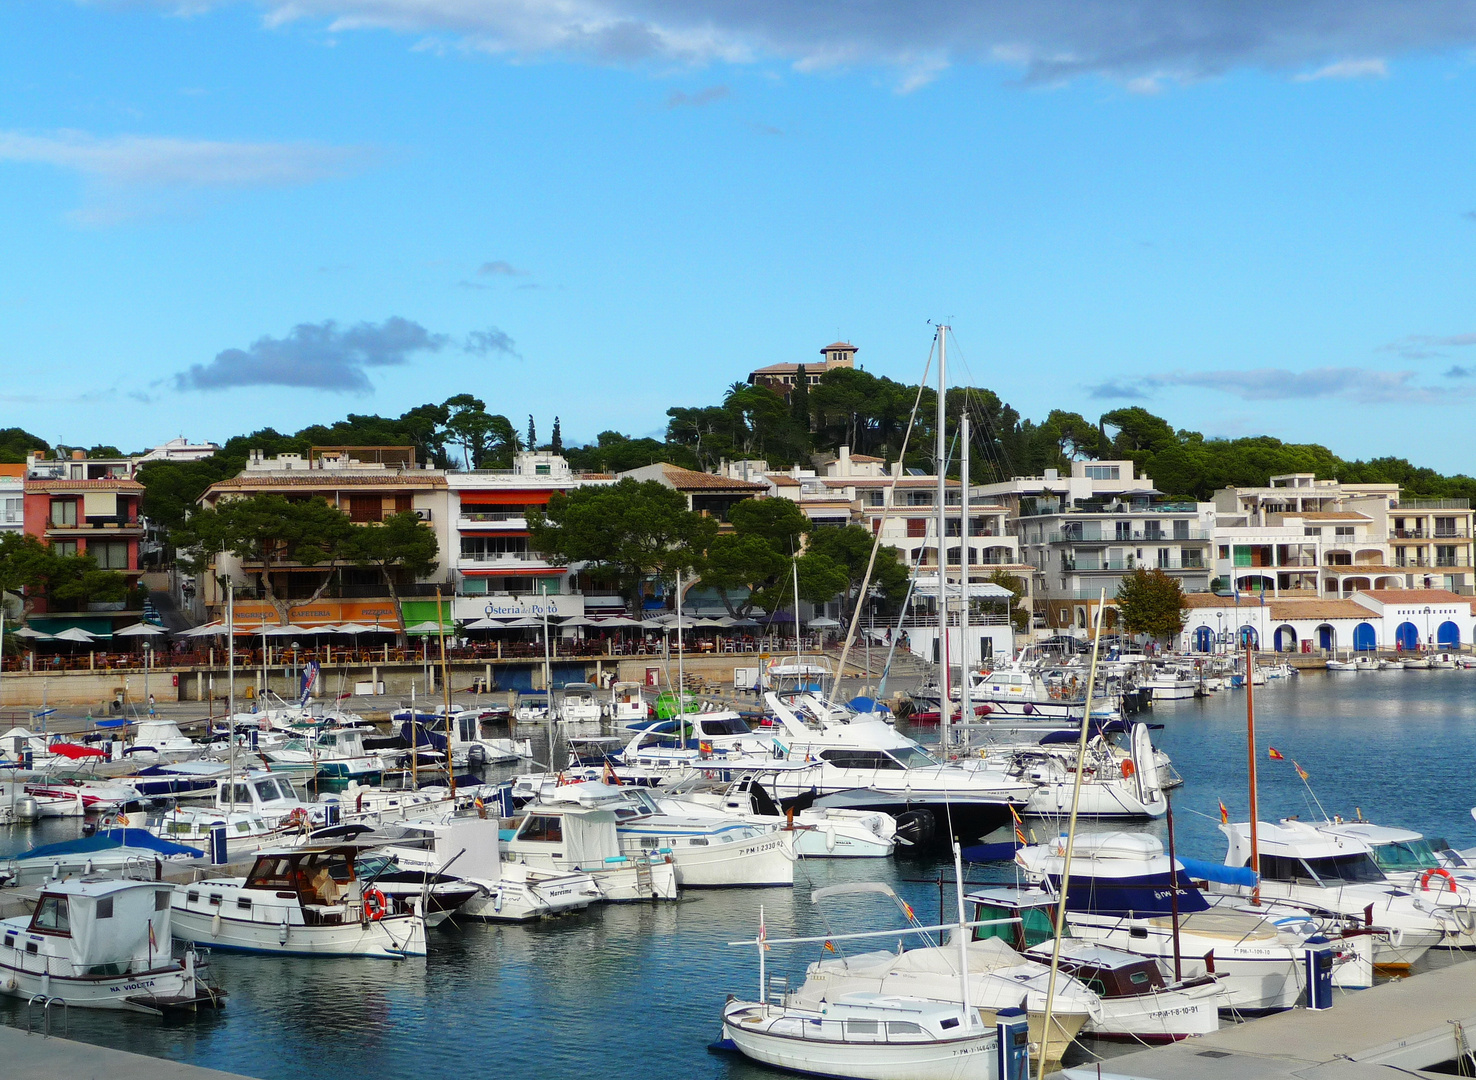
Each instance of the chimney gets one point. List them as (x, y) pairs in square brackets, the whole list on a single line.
[(845, 461), (79, 455)]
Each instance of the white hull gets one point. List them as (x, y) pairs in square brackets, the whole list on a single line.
[(394, 937), (965, 1058), (1160, 1016), (1098, 800), (767, 859), (523, 895), (92, 992), (830, 837)]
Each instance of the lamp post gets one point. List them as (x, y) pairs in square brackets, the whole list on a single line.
[(148, 654), (1429, 635)]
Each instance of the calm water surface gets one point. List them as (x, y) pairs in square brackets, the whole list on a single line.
[(637, 988)]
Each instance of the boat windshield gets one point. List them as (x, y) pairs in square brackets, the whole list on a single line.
[(727, 725), (913, 757), (1359, 869), (1405, 855)]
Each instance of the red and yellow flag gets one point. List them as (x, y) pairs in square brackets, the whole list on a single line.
[(829, 946), (1019, 827), (1275, 754), (1224, 814), (908, 908), (1300, 771)]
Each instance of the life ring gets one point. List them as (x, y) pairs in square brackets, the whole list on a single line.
[(375, 904), (298, 818), (1440, 871), (1128, 768)]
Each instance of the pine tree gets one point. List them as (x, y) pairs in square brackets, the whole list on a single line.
[(557, 443), (532, 434), (799, 399)]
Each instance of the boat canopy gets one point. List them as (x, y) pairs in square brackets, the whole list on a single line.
[(108, 840), (108, 922), (1225, 875)]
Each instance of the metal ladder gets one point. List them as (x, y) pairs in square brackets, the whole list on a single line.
[(643, 876), (46, 1004), (778, 989)]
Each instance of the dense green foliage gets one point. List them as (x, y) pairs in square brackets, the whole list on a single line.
[(66, 582), (1151, 602)]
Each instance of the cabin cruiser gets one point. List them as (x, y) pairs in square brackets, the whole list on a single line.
[(579, 704), (708, 849), (337, 754), (161, 740), (627, 703), (94, 943), (1303, 869), (533, 708), (570, 837), (244, 831), (134, 854), (504, 891), (1020, 689), (169, 779), (303, 901), (1168, 684), (97, 795), (1120, 896), (820, 834), (1128, 787), (473, 741)]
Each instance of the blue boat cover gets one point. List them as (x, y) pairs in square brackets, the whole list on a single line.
[(1226, 875), (107, 840)]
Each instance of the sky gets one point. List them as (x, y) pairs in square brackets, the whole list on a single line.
[(1247, 217)]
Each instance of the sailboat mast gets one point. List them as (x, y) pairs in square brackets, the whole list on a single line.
[(231, 679), (446, 697), (1250, 743), (941, 453), (965, 701), (681, 671)]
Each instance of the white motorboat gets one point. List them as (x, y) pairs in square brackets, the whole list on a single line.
[(304, 901), (533, 708), (708, 850), (1334, 664), (99, 944), (47, 806), (1019, 689), (567, 837), (97, 795), (474, 740), (1113, 787), (1303, 869), (579, 704), (1442, 660), (1415, 663), (1168, 684), (161, 740), (337, 753), (820, 834), (134, 854), (506, 891), (627, 704)]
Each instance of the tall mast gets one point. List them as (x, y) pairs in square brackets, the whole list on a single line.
[(965, 702), (1250, 743), (799, 654), (941, 453), (681, 671), (446, 696), (548, 689), (231, 679)]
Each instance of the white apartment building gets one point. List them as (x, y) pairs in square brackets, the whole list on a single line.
[(1082, 533), (12, 500), (1299, 534)]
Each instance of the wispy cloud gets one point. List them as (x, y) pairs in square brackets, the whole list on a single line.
[(1458, 372), (1363, 385), (318, 356), (499, 268), (678, 99), (489, 341), (1425, 346), (131, 174), (1347, 69), (1150, 43)]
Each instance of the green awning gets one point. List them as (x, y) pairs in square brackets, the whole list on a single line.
[(416, 613), (96, 625)]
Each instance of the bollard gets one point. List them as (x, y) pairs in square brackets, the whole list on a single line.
[(1317, 971), (1013, 1053)]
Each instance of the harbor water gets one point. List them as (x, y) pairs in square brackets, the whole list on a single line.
[(637, 988)]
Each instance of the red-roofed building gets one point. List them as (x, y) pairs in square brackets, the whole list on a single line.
[(781, 377)]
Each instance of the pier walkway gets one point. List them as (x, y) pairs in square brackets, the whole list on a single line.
[(1408, 1025), (33, 1055)]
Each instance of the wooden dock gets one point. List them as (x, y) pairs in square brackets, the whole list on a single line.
[(1411, 1025)]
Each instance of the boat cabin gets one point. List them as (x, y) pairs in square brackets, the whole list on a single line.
[(321, 879), (1297, 853), (566, 837), (91, 928), (1399, 851), (261, 793), (1108, 973)]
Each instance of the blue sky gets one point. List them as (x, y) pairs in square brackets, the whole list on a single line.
[(1249, 218)]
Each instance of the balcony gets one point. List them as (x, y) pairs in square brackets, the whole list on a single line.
[(1119, 566), (96, 526), (505, 560), (1097, 536), (1433, 504), (482, 519)]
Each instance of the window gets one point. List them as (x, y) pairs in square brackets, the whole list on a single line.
[(876, 498), (1123, 530), (917, 498), (1224, 551), (64, 548), (541, 470), (51, 916), (1102, 472), (544, 828), (105, 907), (110, 554), (1309, 530), (917, 527), (15, 511), (64, 512), (1343, 532)]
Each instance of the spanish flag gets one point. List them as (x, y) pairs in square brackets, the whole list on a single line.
[(908, 908), (1275, 754), (1224, 814), (1300, 771)]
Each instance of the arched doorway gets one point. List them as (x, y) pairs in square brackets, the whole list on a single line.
[(1448, 635), (1204, 639), (1407, 637), (1365, 639), (1285, 640), (1248, 636), (1325, 637)]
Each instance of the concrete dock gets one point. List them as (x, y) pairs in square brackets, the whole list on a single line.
[(23, 1056), (1409, 1025)]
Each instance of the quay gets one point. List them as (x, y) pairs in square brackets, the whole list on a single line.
[(28, 1055), (1404, 1026)]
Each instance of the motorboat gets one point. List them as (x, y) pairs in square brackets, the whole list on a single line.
[(569, 837), (1019, 689), (438, 895), (337, 754), (267, 795), (1113, 787), (195, 826), (1121, 896), (174, 779), (1168, 684), (1334, 664), (820, 834), (579, 704), (533, 708), (303, 901), (473, 737), (95, 943), (66, 805), (1415, 663), (503, 891), (627, 703), (128, 853), (1301, 868), (1442, 660), (708, 849), (97, 795)]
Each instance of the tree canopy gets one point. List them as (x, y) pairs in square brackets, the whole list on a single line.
[(402, 542), (66, 582), (1151, 602)]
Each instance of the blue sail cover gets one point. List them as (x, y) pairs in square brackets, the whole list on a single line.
[(1226, 875), (1138, 895), (109, 839)]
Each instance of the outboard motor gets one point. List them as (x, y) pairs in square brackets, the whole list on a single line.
[(916, 827)]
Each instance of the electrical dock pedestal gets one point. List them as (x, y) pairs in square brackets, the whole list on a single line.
[(1396, 1028)]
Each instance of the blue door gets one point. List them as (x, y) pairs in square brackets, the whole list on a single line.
[(1407, 637), (1325, 637), (1364, 638), (1286, 639), (1204, 639), (1448, 636), (1248, 636)]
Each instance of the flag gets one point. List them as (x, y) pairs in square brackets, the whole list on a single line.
[(763, 937), (1300, 771), (1224, 814), (908, 908), (704, 748), (1275, 754), (153, 944), (311, 674), (1019, 828), (829, 946)]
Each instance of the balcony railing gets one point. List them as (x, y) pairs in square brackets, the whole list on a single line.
[(495, 558), (1122, 565), (1095, 536), (1433, 504)]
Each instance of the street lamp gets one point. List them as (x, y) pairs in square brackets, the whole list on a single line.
[(148, 654), (1429, 636)]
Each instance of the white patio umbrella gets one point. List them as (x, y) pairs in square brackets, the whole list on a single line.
[(353, 628), (77, 634), (485, 624), (578, 620), (430, 626), (823, 622), (34, 635), (709, 622), (285, 631), (620, 620), (140, 629), (207, 630), (525, 622)]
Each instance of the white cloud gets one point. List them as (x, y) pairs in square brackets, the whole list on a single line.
[(1348, 69), (1368, 386), (1162, 41)]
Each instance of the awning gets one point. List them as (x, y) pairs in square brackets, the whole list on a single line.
[(96, 625), (532, 571)]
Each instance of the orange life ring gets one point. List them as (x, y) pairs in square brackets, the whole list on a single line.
[(375, 904), (1442, 872), (1128, 768)]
